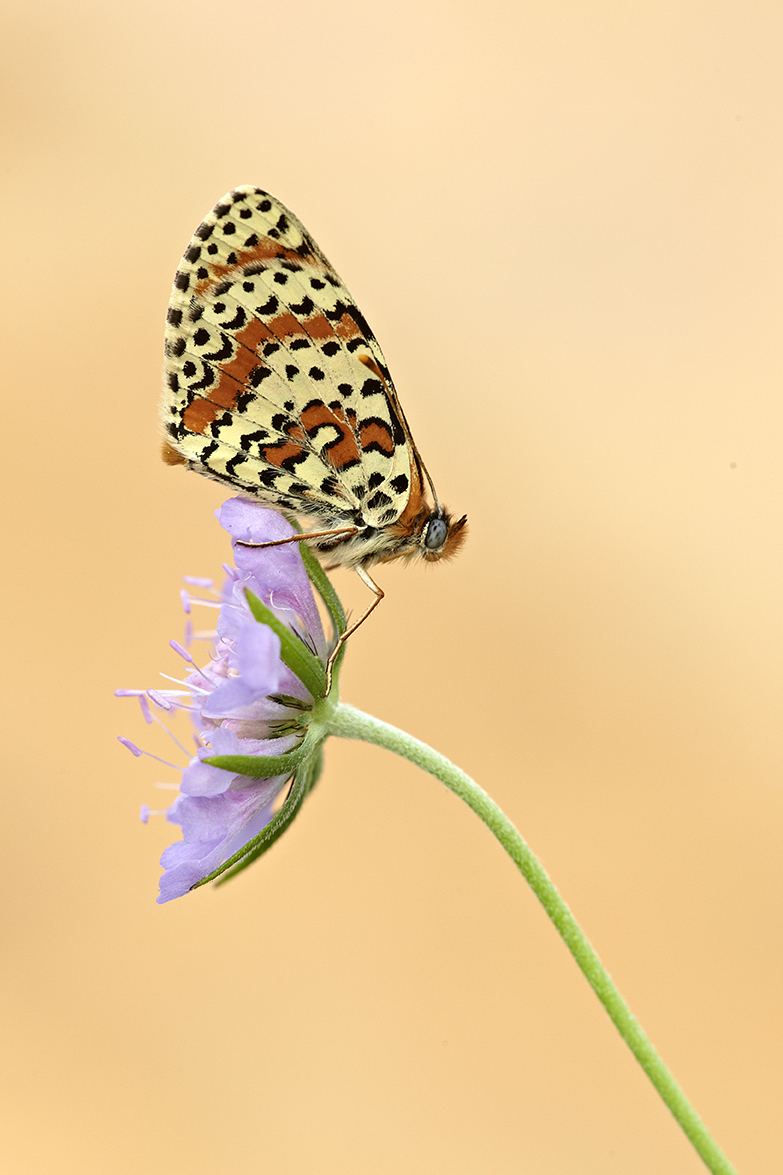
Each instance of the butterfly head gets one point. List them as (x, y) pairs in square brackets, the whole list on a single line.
[(441, 536)]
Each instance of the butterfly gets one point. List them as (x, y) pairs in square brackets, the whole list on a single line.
[(275, 385)]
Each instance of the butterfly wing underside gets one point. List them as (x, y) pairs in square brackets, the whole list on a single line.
[(272, 373)]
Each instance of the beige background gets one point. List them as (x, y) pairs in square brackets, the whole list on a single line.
[(563, 222)]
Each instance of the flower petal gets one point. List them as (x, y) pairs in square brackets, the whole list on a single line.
[(260, 673), (275, 574), (201, 779), (210, 827)]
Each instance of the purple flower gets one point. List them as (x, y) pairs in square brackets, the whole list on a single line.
[(247, 701)]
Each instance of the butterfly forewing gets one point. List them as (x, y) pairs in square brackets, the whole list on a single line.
[(274, 381)]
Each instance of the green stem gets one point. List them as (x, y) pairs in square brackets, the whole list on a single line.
[(348, 722)]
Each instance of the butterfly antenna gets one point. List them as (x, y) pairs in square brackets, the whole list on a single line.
[(432, 487), (370, 362)]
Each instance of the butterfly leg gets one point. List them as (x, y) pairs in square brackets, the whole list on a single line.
[(301, 538), (379, 594), (365, 578)]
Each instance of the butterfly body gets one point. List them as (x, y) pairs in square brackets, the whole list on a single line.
[(276, 386)]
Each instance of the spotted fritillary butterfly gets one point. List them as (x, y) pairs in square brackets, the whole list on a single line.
[(276, 386)]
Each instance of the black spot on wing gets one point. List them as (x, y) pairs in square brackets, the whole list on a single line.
[(243, 401), (231, 466), (226, 351), (258, 374), (225, 420), (304, 308), (290, 463), (250, 438), (206, 381), (379, 499), (238, 321)]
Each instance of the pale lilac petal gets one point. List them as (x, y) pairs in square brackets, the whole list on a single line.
[(209, 827), (247, 522), (259, 665), (253, 826), (275, 574), (200, 779), (191, 864)]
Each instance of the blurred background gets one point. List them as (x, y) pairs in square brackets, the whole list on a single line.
[(563, 223)]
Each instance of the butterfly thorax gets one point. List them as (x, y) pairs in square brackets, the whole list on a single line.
[(430, 535)]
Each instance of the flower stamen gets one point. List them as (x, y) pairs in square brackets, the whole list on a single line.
[(196, 688), (134, 750)]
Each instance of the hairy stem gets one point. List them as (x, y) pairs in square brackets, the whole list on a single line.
[(348, 722)]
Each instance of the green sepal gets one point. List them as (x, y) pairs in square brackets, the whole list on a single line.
[(304, 782), (323, 584), (264, 766), (293, 652)]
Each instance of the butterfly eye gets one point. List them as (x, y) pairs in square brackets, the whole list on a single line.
[(436, 534)]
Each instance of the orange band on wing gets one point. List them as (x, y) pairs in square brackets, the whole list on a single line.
[(378, 434), (266, 250), (339, 453), (199, 414), (346, 328), (277, 454)]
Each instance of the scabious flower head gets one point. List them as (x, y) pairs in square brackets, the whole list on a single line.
[(250, 710)]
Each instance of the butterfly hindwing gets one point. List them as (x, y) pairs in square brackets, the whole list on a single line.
[(274, 382)]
